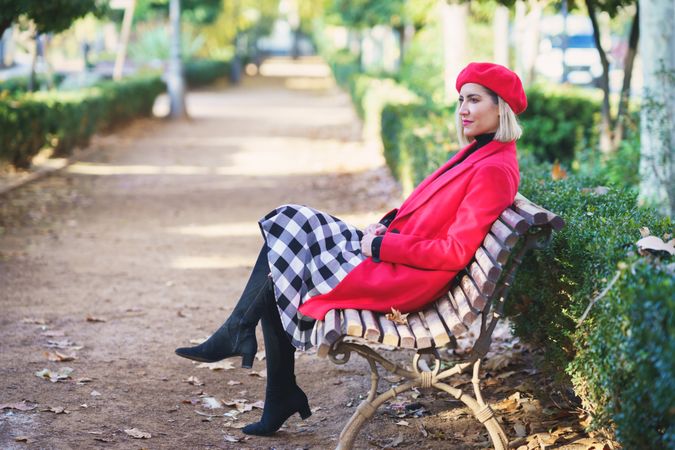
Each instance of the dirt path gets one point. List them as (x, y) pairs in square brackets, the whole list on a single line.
[(146, 244)]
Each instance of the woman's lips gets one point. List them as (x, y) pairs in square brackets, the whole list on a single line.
[(467, 122)]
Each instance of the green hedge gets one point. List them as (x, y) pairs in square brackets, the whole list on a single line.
[(20, 84), (201, 72), (67, 119), (620, 360)]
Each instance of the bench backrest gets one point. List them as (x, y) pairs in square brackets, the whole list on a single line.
[(486, 280)]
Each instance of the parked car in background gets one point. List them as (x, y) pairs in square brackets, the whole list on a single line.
[(580, 56)]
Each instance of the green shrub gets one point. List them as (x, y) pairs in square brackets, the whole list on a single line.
[(67, 119), (201, 72), (559, 123), (626, 369), (344, 65), (417, 139), (20, 84)]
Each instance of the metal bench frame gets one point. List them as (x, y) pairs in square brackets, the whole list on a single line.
[(339, 335)]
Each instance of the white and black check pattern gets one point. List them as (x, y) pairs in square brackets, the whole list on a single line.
[(310, 252)]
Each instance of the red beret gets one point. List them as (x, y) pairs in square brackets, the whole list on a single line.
[(502, 81)]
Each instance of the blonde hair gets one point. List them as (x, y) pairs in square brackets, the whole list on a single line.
[(509, 129)]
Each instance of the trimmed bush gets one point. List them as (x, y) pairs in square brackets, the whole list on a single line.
[(201, 72), (20, 84), (67, 119)]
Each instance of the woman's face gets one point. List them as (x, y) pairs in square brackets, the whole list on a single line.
[(478, 113)]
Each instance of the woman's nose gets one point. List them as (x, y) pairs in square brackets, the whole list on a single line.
[(462, 109)]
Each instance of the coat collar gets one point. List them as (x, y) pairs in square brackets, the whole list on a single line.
[(444, 174)]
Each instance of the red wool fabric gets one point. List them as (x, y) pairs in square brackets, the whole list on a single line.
[(498, 79), (434, 235)]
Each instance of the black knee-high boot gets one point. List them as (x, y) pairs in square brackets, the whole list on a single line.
[(283, 397), (236, 337)]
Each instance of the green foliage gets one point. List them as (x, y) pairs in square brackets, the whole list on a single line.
[(63, 120), (345, 65), (200, 72), (366, 13), (51, 16), (558, 124), (626, 369), (20, 84), (422, 68)]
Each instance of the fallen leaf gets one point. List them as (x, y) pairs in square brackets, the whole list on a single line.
[(653, 244), (83, 380), (91, 318), (403, 423), (231, 438), (557, 172), (57, 410), (137, 434), (233, 383), (644, 232), (59, 375), (261, 374), (22, 406), (53, 333), (35, 321), (233, 424), (261, 355), (260, 404), (519, 429), (211, 403), (95, 393), (498, 362), (180, 313), (59, 357), (395, 442), (65, 344), (220, 365), (396, 316), (25, 439), (194, 381)]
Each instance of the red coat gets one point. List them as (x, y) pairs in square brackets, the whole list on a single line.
[(435, 233)]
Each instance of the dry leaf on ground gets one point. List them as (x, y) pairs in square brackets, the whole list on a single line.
[(193, 381), (56, 410), (59, 375), (233, 383), (34, 321), (557, 172), (59, 357), (25, 439), (231, 438), (95, 393), (211, 403), (21, 406), (65, 344), (261, 374), (138, 434), (260, 355), (91, 318), (53, 333), (220, 365)]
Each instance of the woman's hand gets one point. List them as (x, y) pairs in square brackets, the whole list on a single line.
[(375, 228), (367, 244)]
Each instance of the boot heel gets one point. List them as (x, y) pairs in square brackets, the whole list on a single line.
[(247, 360), (305, 412)]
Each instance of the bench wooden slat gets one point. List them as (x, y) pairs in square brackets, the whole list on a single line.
[(436, 328), (407, 338), (372, 332), (485, 286), (354, 327), (556, 222), (515, 221), (389, 333), (492, 269), (498, 252), (504, 234), (531, 213), (422, 336), (322, 347), (332, 326), (466, 314), (450, 316), (472, 293)]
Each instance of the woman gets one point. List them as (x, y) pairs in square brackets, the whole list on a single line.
[(312, 262)]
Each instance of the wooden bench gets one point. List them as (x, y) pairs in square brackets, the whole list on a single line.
[(479, 291)]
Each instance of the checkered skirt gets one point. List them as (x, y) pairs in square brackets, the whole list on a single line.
[(310, 252)]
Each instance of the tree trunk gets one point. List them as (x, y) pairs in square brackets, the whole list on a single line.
[(500, 26), (622, 115), (657, 125), (453, 20), (527, 31), (175, 81), (400, 34), (606, 123), (32, 80)]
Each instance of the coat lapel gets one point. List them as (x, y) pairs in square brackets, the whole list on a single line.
[(443, 176)]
